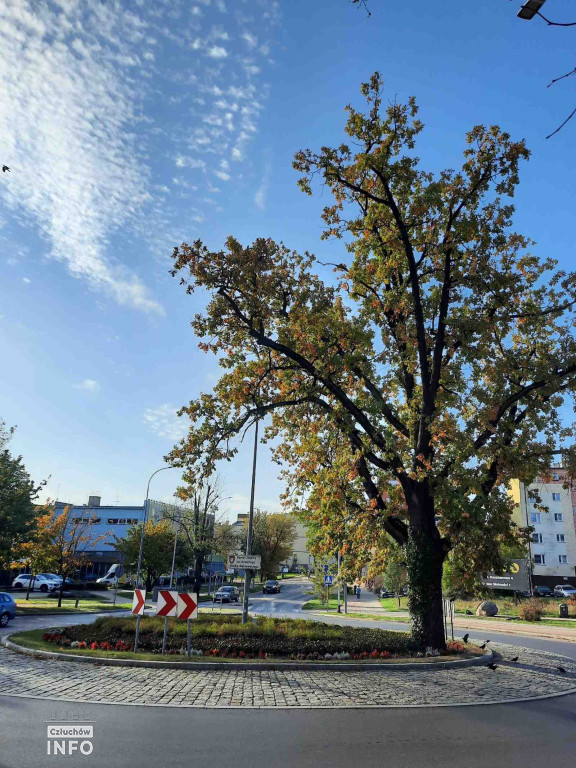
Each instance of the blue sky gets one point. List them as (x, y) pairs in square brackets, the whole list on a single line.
[(133, 126)]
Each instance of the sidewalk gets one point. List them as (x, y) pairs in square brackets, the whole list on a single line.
[(368, 603)]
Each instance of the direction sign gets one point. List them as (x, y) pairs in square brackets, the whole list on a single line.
[(187, 605), (328, 580), (166, 604), (514, 578), (138, 602), (244, 561)]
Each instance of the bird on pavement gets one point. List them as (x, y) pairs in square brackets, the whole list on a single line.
[(465, 638), (5, 168), (515, 659), (561, 669), (492, 666), (484, 644)]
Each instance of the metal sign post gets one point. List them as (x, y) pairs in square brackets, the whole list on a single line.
[(247, 571)]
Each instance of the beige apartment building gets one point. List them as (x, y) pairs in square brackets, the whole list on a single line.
[(553, 545)]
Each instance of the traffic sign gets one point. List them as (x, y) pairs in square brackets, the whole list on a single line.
[(244, 561), (138, 602), (166, 604), (328, 580), (187, 605)]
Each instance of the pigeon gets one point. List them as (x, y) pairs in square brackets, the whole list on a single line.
[(492, 666), (515, 659), (465, 638), (484, 644), (5, 168), (469, 613), (561, 669)]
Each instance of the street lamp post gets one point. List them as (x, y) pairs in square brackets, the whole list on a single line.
[(247, 572), (177, 523), (139, 569)]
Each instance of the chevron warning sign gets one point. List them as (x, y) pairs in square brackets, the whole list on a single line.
[(166, 604), (138, 602), (187, 605)]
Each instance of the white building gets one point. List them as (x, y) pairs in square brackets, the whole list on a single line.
[(553, 545)]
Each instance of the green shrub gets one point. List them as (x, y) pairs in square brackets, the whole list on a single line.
[(531, 610)]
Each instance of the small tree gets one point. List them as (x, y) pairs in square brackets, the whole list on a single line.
[(157, 552), (200, 527), (273, 537), (17, 500), (395, 578)]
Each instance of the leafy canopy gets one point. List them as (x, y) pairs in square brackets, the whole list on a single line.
[(411, 388)]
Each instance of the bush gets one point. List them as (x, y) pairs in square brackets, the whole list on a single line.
[(531, 610)]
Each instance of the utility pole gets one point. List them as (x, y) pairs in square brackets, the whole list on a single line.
[(248, 573), (339, 556), (171, 582)]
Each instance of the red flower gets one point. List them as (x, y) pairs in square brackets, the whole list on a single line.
[(94, 646)]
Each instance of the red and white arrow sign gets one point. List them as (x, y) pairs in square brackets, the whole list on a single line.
[(166, 605), (138, 602), (187, 605)]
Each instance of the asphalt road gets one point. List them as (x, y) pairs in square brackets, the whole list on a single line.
[(511, 735)]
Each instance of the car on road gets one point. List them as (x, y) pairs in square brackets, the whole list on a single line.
[(45, 582), (7, 608), (541, 590), (227, 595), (271, 587), (386, 593), (564, 590)]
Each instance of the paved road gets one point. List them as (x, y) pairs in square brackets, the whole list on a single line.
[(514, 735)]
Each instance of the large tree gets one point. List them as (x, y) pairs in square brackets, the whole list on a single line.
[(440, 356), (18, 493), (273, 537)]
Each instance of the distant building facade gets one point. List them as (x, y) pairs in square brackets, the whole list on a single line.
[(553, 544)]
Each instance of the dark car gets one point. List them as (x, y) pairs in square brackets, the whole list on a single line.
[(540, 590), (387, 593), (271, 587), (227, 595), (7, 608)]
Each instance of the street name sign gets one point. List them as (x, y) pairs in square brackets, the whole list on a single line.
[(167, 602), (138, 602), (514, 577), (244, 562), (187, 605)]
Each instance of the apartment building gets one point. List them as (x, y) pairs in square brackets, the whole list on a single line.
[(553, 544)]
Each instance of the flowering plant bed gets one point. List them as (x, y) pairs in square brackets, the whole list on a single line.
[(224, 637)]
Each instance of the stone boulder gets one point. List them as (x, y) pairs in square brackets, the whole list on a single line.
[(487, 608)]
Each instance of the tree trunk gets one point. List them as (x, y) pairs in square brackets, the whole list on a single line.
[(60, 593), (198, 565), (425, 553)]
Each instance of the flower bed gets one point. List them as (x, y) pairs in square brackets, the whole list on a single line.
[(225, 637)]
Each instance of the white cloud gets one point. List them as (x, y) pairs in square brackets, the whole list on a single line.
[(26, 280), (66, 107), (89, 385), (217, 52), (262, 191), (222, 175), (250, 39), (165, 423), (189, 162)]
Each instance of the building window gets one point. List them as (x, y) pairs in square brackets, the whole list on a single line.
[(562, 559), (540, 559), (537, 538), (535, 517), (560, 538), (558, 517), (555, 497), (88, 520)]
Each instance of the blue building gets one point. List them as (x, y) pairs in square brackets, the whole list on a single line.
[(109, 521)]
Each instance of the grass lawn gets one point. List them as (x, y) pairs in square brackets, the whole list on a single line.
[(89, 604), (507, 606), (391, 603)]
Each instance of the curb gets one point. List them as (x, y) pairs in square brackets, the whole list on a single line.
[(249, 666)]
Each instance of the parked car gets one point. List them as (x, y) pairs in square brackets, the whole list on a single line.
[(7, 608), (541, 590), (227, 595), (271, 587), (45, 582), (564, 590), (387, 593)]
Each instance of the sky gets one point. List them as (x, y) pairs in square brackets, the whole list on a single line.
[(131, 127)]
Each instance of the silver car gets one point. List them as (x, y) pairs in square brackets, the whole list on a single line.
[(564, 590)]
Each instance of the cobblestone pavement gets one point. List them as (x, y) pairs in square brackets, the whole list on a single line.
[(534, 675)]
